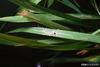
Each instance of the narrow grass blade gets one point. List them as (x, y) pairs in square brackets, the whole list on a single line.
[(51, 41), (76, 3), (27, 4), (93, 2), (17, 19), (97, 32), (18, 41), (45, 21), (35, 1), (50, 2), (60, 34)]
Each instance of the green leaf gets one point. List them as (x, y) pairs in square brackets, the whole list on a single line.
[(95, 58), (51, 41), (97, 32), (42, 19), (17, 19), (18, 41), (76, 3), (28, 5), (83, 17), (93, 2), (50, 2), (60, 34), (86, 16), (35, 1)]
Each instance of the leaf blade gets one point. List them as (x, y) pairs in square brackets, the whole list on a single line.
[(60, 34)]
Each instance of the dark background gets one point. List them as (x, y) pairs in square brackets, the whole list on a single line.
[(13, 56)]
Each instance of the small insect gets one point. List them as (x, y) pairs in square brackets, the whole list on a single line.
[(49, 32), (97, 46), (23, 13), (82, 52)]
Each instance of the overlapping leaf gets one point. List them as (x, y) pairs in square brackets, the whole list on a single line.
[(35, 1), (50, 2), (61, 34), (27, 4), (17, 19), (44, 44), (18, 41)]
